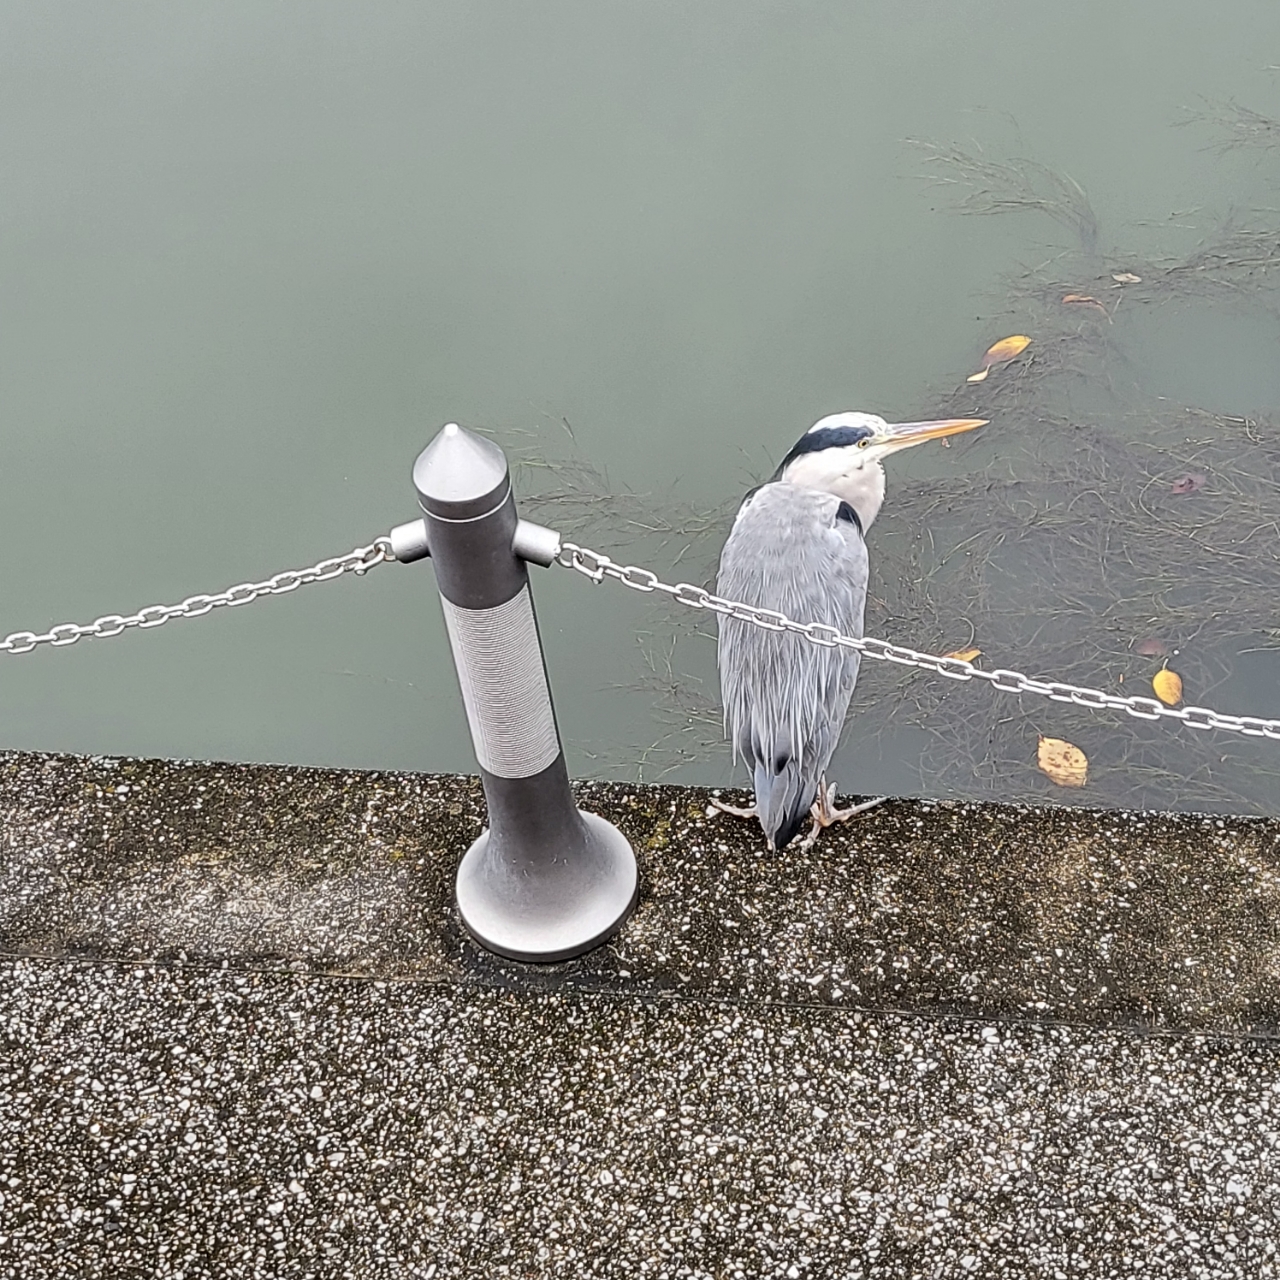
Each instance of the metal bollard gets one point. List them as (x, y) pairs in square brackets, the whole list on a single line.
[(545, 881)]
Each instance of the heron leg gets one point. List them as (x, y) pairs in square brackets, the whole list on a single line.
[(825, 814)]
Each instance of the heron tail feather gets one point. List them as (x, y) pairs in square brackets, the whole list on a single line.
[(783, 800)]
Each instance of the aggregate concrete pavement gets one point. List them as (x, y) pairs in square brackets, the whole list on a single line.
[(214, 1123), (241, 1034)]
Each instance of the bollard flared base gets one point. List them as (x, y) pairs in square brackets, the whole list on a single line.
[(548, 911)]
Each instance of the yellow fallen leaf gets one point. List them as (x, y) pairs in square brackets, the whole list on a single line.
[(1063, 762), (1126, 277), (1168, 686), (1001, 353), (964, 655), (1006, 349)]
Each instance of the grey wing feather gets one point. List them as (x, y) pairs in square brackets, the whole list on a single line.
[(785, 699)]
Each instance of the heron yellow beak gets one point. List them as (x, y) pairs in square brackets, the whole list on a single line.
[(901, 435)]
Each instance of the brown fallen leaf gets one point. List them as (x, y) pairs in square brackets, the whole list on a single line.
[(1188, 483), (1001, 353), (1151, 648), (1126, 277), (1085, 300), (964, 655), (1168, 686), (1063, 762)]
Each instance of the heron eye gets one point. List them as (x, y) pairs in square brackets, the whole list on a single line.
[(866, 440)]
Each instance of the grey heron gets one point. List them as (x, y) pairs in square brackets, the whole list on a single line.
[(798, 546)]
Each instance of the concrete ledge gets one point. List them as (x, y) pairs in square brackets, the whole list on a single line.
[(242, 1036), (990, 911)]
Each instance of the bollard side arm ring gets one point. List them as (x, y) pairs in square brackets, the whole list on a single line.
[(532, 542), (536, 543), (409, 541)]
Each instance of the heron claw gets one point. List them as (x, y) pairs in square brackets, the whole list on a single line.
[(736, 811), (825, 813)]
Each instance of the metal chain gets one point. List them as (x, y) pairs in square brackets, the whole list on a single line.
[(597, 567), (359, 561)]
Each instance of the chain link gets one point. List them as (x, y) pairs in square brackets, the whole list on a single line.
[(597, 567), (359, 561)]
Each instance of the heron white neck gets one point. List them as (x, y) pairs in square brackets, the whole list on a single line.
[(857, 480)]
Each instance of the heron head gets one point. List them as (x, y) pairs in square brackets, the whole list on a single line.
[(843, 452)]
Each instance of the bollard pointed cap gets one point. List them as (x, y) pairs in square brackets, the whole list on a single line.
[(460, 475)]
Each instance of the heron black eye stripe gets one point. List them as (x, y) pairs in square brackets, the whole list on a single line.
[(827, 438)]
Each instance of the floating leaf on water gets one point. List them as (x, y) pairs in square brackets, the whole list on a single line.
[(964, 655), (1188, 483), (1063, 762), (1126, 277), (1006, 349), (1168, 686), (1001, 353), (1085, 300), (1151, 648)]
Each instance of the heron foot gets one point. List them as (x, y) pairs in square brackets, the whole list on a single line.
[(736, 811), (825, 814), (719, 806)]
